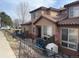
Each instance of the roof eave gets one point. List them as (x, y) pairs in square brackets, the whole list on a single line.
[(70, 4), (42, 7)]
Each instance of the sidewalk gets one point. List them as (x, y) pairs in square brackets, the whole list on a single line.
[(5, 49)]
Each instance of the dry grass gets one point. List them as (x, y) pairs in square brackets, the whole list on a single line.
[(13, 42), (25, 52), (15, 45)]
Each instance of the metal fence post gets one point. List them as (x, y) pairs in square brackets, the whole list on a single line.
[(20, 48)]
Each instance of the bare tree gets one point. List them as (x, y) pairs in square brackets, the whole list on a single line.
[(16, 23), (23, 11)]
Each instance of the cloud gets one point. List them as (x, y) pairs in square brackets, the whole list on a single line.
[(37, 3), (14, 1), (61, 3), (9, 6), (68, 1)]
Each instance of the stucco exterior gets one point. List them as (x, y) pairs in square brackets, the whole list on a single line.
[(26, 28), (56, 28), (53, 14), (44, 22)]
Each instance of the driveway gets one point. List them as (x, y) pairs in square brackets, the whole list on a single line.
[(5, 49)]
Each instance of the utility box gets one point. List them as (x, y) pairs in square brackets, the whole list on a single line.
[(52, 49)]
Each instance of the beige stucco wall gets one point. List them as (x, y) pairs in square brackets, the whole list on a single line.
[(53, 13), (42, 12), (26, 28), (44, 22)]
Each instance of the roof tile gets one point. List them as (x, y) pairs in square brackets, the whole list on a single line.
[(71, 21)]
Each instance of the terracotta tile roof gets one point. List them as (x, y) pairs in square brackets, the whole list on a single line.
[(54, 19), (43, 8), (62, 17), (62, 9), (54, 9), (71, 21)]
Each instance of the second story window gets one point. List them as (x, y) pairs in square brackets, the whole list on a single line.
[(36, 14), (74, 12), (33, 15)]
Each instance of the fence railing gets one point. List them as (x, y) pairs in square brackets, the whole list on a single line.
[(26, 48)]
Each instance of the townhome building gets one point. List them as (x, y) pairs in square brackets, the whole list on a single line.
[(69, 30), (62, 23)]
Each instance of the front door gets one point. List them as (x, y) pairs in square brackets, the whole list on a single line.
[(39, 31)]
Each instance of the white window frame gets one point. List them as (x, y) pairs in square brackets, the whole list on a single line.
[(68, 40)]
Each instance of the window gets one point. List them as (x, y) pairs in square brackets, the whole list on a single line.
[(37, 14), (72, 46), (64, 44), (33, 15), (47, 30), (74, 11), (73, 34), (65, 34), (70, 12), (70, 38)]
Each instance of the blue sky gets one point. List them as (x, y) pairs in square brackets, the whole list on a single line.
[(9, 6)]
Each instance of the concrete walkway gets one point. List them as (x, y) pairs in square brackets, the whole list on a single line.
[(5, 49)]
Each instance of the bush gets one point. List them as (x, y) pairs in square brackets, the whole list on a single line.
[(49, 40)]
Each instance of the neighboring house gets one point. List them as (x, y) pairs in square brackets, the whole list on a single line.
[(26, 27), (63, 23)]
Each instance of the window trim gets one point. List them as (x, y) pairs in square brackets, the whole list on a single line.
[(68, 40)]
